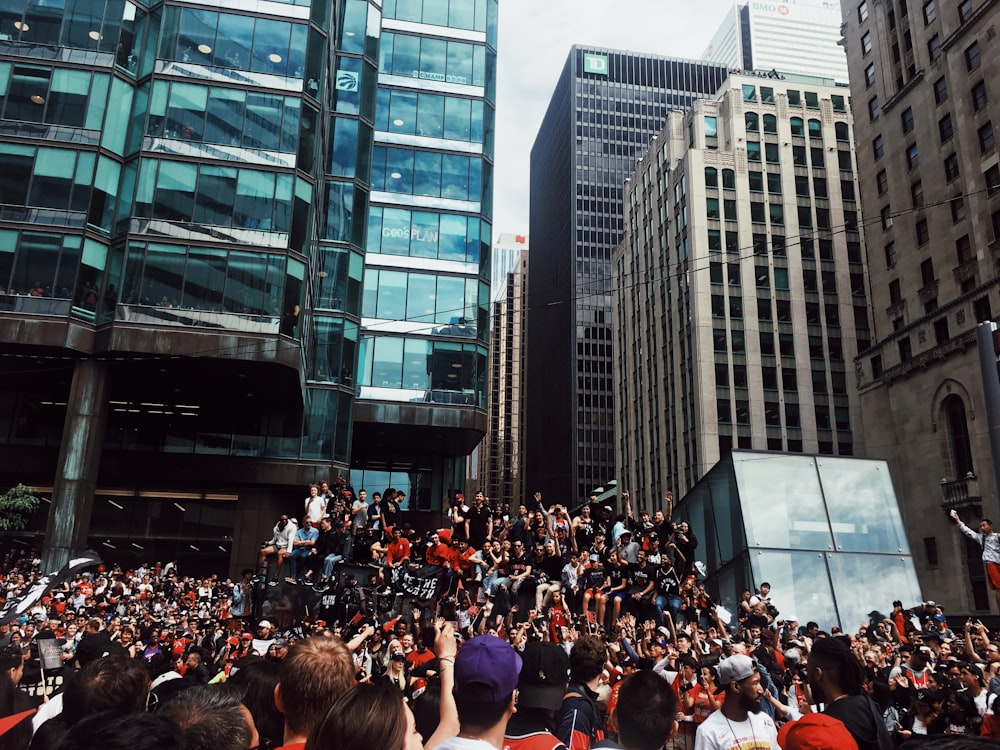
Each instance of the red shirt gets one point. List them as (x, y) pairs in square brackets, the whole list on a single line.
[(398, 550)]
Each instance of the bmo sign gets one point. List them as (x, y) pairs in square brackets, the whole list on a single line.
[(780, 8), (596, 64)]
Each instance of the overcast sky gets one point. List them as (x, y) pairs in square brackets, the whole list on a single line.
[(534, 41)]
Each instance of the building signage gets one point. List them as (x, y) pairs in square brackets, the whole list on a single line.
[(597, 64), (414, 234)]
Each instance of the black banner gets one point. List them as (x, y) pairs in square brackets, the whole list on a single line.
[(426, 583), (18, 606)]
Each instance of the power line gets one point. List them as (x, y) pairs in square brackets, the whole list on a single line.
[(649, 277)]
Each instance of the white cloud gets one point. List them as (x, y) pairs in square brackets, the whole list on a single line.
[(534, 41)]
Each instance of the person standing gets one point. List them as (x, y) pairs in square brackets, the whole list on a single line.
[(989, 541), (739, 723), (315, 505), (836, 680)]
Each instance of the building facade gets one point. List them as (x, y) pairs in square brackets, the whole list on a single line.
[(501, 454), (185, 215), (740, 295), (422, 374), (796, 37), (605, 108), (924, 86), (507, 250)]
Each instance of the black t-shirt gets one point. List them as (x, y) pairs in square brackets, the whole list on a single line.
[(593, 578), (640, 577), (585, 534), (479, 521), (616, 575), (391, 512), (552, 565), (863, 720)]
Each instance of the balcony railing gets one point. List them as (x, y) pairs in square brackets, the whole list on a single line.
[(960, 493)]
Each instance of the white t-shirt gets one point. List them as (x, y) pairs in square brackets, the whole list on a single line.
[(315, 508), (719, 733), (464, 743)]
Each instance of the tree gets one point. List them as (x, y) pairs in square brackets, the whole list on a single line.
[(15, 506)]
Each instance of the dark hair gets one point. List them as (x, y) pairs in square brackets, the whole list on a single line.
[(427, 711), (366, 716), (587, 658), (111, 683), (476, 709), (835, 658), (258, 680), (210, 717), (110, 730), (647, 706)]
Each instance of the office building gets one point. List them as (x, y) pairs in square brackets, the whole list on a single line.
[(186, 201), (740, 296), (422, 370), (924, 94), (507, 250), (501, 454), (786, 37), (605, 107)]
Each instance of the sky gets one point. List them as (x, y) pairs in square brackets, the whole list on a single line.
[(533, 43)]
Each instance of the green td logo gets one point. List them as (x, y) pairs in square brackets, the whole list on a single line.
[(595, 64)]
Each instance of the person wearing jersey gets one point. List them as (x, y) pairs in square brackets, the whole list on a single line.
[(541, 686), (593, 588), (582, 530), (579, 720), (617, 583)]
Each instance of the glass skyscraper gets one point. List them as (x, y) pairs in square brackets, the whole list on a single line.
[(183, 203), (424, 329), (605, 108)]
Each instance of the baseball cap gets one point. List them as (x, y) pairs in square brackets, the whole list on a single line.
[(816, 732), (489, 663), (736, 668), (543, 677), (265, 624)]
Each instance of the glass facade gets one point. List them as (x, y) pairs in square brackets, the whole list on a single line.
[(174, 156), (825, 532), (189, 185), (425, 297)]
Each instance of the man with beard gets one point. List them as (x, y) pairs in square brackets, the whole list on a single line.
[(739, 723), (835, 677)]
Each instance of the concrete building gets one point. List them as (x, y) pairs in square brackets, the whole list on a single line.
[(501, 454), (605, 108), (797, 37), (507, 250), (740, 296), (924, 94), (422, 374)]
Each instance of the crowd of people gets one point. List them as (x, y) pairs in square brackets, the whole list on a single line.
[(550, 630)]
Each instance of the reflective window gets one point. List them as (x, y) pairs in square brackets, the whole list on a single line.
[(55, 96), (44, 177), (231, 117), (457, 14), (433, 59), (228, 40), (450, 369), (401, 170), (184, 191), (783, 503)]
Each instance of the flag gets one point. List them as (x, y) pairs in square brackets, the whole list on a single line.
[(17, 606)]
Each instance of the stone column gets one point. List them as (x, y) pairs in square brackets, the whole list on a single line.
[(79, 463)]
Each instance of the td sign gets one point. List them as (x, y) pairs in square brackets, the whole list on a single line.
[(597, 64)]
